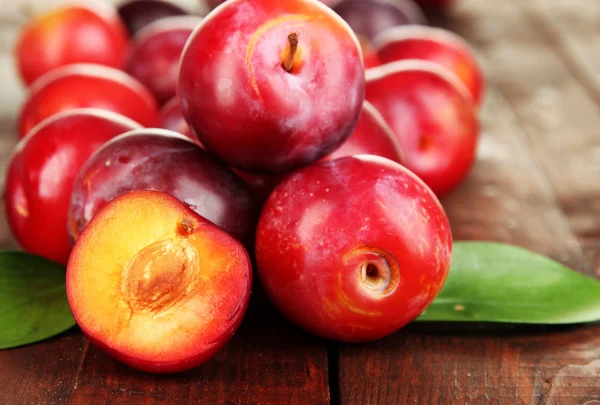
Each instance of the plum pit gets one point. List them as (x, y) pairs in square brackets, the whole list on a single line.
[(160, 275)]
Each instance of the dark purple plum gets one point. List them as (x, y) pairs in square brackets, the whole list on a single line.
[(161, 160), (136, 14), (368, 18)]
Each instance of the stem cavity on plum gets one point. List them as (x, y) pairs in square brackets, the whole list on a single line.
[(288, 62), (378, 270), (373, 278)]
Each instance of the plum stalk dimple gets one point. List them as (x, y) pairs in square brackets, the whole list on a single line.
[(378, 269)]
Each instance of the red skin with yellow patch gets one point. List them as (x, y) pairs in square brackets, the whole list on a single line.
[(152, 159), (250, 111), (41, 173), (75, 34), (323, 223), (196, 323), (87, 86), (171, 118), (435, 45), (433, 117), (155, 51)]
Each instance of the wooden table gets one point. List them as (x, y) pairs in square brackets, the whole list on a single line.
[(536, 184)]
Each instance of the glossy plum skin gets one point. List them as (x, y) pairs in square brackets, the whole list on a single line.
[(41, 173), (171, 118), (74, 34), (164, 296), (163, 161), (368, 18), (433, 116), (155, 52), (87, 86), (371, 136), (137, 14), (353, 249), (246, 108), (434, 45)]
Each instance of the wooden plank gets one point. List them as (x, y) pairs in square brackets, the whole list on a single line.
[(536, 59), (568, 32), (42, 373), (442, 365), (268, 362), (509, 198), (506, 198), (571, 29)]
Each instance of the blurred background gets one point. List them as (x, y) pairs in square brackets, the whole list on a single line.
[(13, 14)]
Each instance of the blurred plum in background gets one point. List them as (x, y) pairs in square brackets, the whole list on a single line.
[(136, 14)]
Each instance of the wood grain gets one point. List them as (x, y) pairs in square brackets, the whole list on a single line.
[(440, 364), (42, 373), (536, 184), (570, 33), (512, 203), (269, 361), (526, 188), (554, 96)]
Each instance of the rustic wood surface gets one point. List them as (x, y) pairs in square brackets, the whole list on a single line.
[(536, 184)]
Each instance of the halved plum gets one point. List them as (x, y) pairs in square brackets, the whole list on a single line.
[(155, 285)]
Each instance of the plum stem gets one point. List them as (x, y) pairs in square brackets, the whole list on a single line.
[(288, 63)]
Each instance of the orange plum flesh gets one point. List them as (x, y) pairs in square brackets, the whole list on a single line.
[(155, 285)]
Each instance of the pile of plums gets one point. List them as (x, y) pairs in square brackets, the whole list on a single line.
[(162, 154)]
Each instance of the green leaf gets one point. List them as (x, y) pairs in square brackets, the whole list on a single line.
[(33, 299), (492, 282)]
